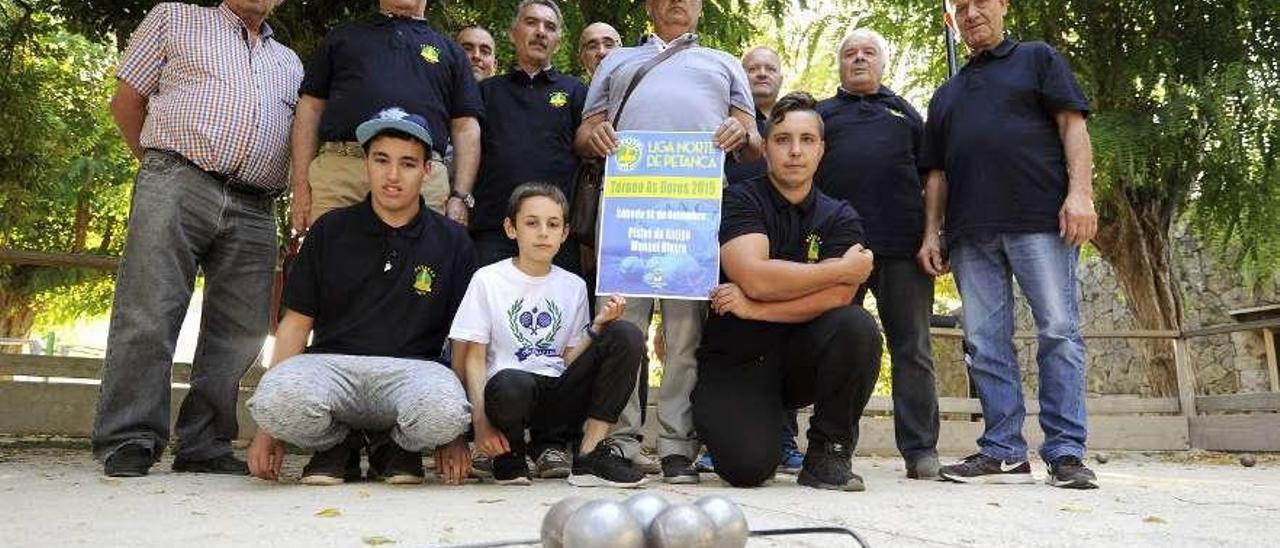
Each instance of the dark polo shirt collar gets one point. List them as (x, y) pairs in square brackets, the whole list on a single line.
[(882, 92), (999, 52), (780, 202), (549, 75), (372, 224)]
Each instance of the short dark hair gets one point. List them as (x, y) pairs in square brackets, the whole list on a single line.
[(796, 101), (391, 133), (534, 189)]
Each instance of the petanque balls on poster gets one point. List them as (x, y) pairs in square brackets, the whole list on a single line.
[(682, 526), (553, 523), (731, 524), (645, 506), (603, 524)]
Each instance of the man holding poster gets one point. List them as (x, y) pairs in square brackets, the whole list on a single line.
[(689, 89), (784, 332)]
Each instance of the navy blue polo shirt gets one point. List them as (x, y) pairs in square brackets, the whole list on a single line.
[(380, 61), (527, 135), (872, 161), (992, 129), (816, 229), (375, 290), (736, 172)]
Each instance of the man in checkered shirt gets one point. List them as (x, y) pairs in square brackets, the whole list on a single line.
[(205, 100)]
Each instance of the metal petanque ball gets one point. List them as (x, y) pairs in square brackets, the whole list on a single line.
[(645, 506), (1248, 461), (731, 524), (603, 524), (682, 526), (553, 522), (1102, 458)]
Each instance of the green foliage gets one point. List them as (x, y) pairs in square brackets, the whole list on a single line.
[(63, 169)]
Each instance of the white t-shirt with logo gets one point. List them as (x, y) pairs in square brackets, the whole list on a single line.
[(526, 321)]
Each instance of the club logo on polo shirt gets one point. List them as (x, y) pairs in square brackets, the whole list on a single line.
[(423, 278), (630, 152), (430, 54), (558, 99), (813, 248), (896, 112), (535, 329)]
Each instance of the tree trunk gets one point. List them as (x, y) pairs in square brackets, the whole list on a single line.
[(1135, 242), (16, 314)]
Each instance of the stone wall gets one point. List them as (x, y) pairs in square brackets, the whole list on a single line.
[(1224, 364)]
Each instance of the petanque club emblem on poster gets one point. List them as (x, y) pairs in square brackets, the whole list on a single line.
[(630, 152)]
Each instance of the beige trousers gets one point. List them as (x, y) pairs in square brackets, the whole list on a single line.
[(338, 179)]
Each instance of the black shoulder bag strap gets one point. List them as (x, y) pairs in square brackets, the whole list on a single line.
[(679, 45)]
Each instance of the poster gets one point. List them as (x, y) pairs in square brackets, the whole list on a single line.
[(660, 216)]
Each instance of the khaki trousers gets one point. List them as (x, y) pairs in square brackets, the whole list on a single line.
[(338, 179)]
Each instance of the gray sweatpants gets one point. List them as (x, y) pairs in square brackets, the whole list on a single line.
[(313, 401)]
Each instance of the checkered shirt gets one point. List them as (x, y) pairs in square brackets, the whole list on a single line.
[(213, 96)]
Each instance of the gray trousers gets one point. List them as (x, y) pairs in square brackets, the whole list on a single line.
[(314, 400), (182, 220), (682, 329)]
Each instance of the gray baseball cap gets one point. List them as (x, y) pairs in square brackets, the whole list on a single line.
[(394, 118)]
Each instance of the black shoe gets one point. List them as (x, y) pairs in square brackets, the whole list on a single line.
[(331, 466), (1069, 473), (830, 466), (602, 468), (393, 464), (511, 469), (129, 461), (678, 470), (979, 468), (224, 464)]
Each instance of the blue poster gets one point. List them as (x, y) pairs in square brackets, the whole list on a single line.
[(660, 216)]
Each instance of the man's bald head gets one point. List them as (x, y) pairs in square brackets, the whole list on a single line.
[(597, 40), (764, 71)]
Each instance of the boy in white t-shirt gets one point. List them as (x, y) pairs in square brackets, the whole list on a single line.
[(534, 357)]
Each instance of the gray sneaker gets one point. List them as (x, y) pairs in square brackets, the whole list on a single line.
[(553, 463), (646, 464), (924, 468)]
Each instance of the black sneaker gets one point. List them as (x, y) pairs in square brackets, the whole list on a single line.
[(330, 467), (979, 468), (602, 468), (224, 464), (393, 464), (511, 469), (678, 470), (830, 466), (1069, 473), (129, 461), (553, 463)]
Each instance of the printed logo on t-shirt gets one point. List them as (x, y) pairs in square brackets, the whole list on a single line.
[(430, 54), (558, 99), (535, 329), (813, 248), (423, 278)]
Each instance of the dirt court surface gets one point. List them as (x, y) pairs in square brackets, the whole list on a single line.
[(55, 495)]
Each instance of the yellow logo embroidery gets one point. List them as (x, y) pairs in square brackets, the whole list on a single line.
[(629, 153), (558, 99), (813, 246), (430, 54), (895, 112), (423, 278)]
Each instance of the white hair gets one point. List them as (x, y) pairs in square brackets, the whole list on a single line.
[(882, 45)]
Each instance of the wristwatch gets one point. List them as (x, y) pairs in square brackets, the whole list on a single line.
[(467, 199)]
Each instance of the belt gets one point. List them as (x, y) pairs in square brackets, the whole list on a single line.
[(233, 183), (345, 148)]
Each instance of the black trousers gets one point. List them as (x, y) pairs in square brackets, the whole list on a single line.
[(904, 297), (596, 385), (738, 408)]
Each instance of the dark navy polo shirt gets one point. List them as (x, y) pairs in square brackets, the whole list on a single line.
[(992, 129), (872, 161), (375, 290), (527, 136), (736, 172), (380, 61), (816, 229)]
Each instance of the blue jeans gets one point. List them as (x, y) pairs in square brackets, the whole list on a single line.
[(182, 221), (1044, 266)]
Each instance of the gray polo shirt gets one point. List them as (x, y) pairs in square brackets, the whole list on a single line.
[(694, 90)]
